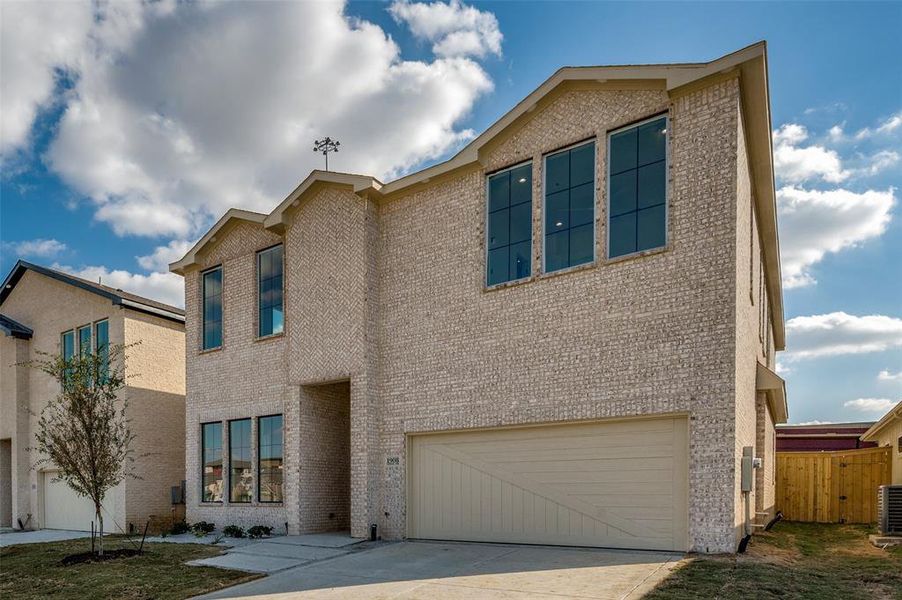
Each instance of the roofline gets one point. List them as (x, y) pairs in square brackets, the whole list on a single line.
[(749, 64), (180, 265), (852, 425), (892, 414), (21, 332), (21, 266), (774, 389)]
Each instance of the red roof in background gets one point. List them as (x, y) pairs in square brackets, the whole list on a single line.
[(822, 437)]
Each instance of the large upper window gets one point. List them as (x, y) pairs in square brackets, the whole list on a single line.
[(269, 458), (67, 344), (269, 292), (241, 478), (509, 225), (570, 207), (84, 341), (638, 188), (212, 308), (211, 470)]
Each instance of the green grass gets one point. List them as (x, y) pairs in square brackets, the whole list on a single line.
[(34, 571), (794, 560)]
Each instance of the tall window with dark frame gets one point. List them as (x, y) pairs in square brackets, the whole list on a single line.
[(84, 341), (67, 348), (638, 188), (102, 346), (570, 207), (271, 317), (241, 477), (269, 458), (509, 237), (211, 469), (212, 308)]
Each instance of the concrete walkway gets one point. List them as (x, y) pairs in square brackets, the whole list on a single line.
[(461, 570), (271, 554), (11, 537)]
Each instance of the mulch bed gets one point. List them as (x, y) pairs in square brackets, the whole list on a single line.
[(88, 557)]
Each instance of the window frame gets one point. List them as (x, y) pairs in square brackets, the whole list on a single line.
[(485, 242), (258, 469), (257, 291), (594, 141), (79, 351), (250, 447), (95, 339), (202, 461), (610, 133), (203, 319)]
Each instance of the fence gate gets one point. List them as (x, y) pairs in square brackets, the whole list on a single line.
[(831, 487)]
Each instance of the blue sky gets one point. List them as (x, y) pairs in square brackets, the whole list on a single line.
[(126, 138)]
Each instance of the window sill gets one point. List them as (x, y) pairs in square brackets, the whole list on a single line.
[(209, 350), (270, 337), (583, 267), (635, 255)]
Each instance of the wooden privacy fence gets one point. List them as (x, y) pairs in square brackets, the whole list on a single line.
[(831, 487)]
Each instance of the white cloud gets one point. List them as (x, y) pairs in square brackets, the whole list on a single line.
[(39, 248), (888, 126), (172, 119), (813, 223), (886, 375), (839, 333), (795, 164), (454, 28), (874, 405), (814, 423), (163, 287), (782, 369), (159, 260), (36, 39), (876, 163)]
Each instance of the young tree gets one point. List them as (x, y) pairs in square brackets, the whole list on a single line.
[(84, 431)]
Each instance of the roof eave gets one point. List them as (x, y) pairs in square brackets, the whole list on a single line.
[(891, 415), (232, 214)]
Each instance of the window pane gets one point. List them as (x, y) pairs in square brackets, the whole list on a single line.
[(102, 344), (84, 341), (652, 184), (266, 321), (623, 193), (212, 309), (557, 250), (68, 344), (582, 205), (278, 319), (499, 191), (652, 228), (623, 234), (498, 266), (582, 242), (582, 165), (499, 223), (557, 177), (270, 459), (557, 212), (240, 471), (520, 266), (211, 443), (623, 151), (521, 184), (521, 223), (652, 141)]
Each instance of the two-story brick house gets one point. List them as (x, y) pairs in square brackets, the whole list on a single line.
[(564, 334), (46, 310)]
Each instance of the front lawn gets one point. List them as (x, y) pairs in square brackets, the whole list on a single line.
[(793, 560), (35, 571)]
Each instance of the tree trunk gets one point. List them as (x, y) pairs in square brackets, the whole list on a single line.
[(100, 527)]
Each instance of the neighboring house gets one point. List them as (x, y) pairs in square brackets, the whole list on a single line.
[(888, 432), (826, 436), (565, 334), (50, 311)]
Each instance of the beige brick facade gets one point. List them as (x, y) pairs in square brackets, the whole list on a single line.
[(155, 391), (390, 330)]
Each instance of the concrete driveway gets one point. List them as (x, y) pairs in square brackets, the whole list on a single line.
[(462, 570), (10, 538)]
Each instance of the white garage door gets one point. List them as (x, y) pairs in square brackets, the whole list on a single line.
[(64, 509), (621, 484)]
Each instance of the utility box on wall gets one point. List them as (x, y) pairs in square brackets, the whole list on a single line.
[(748, 467)]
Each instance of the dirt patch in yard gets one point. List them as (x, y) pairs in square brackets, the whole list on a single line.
[(793, 560)]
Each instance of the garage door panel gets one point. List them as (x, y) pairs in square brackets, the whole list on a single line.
[(64, 509), (520, 485)]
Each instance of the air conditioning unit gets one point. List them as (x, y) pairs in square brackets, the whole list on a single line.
[(889, 509)]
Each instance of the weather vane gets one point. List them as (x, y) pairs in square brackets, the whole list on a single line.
[(326, 145)]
